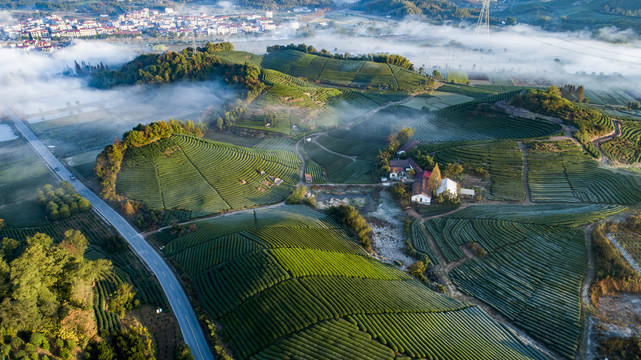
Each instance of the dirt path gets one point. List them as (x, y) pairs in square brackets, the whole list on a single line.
[(583, 350), (297, 150), (597, 142), (353, 158), (215, 216), (526, 188)]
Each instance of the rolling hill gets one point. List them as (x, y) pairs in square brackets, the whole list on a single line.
[(289, 283), (204, 177)]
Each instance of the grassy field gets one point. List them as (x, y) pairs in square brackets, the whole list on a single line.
[(457, 77), (220, 176), (563, 172), (363, 74), (625, 149), (503, 160), (534, 265), (239, 57), (21, 174), (287, 283), (473, 121), (340, 169)]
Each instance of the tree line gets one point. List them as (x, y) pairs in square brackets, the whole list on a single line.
[(61, 202), (392, 59), (349, 216)]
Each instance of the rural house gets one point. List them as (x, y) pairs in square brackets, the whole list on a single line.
[(407, 147), (421, 194), (399, 168)]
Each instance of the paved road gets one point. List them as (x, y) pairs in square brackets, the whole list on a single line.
[(192, 333)]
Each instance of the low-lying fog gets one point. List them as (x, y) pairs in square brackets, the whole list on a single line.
[(31, 84)]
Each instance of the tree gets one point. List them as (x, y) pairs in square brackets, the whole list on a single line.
[(434, 180), (580, 94), (634, 105), (453, 169), (219, 123), (405, 134), (437, 75), (122, 300), (392, 143), (511, 20)]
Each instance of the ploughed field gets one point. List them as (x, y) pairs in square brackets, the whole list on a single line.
[(204, 177), (290, 283)]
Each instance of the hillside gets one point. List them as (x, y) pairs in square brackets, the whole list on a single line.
[(340, 72), (220, 176), (289, 283), (570, 15)]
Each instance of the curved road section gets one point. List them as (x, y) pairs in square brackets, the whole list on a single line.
[(192, 333)]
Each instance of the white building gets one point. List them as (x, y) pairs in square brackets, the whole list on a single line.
[(448, 185)]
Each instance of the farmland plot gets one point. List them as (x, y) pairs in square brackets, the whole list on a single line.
[(156, 174), (503, 160), (564, 173), (625, 149), (532, 272), (468, 122), (291, 283)]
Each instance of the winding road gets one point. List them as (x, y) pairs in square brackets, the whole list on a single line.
[(189, 326)]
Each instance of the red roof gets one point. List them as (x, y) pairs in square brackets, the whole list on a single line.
[(420, 184)]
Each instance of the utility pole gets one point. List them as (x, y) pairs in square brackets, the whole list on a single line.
[(483, 25)]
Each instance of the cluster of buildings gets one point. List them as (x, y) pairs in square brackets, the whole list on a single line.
[(162, 23), (402, 170)]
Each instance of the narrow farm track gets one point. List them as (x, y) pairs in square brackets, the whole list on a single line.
[(442, 273), (597, 142), (526, 188), (583, 350), (352, 158), (228, 213), (299, 153), (182, 309)]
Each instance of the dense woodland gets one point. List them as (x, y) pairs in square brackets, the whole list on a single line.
[(393, 59), (198, 64), (46, 293), (435, 9)]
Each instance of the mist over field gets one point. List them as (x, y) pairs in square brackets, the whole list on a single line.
[(518, 50), (33, 86)]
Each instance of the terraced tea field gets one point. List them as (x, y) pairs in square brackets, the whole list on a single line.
[(534, 267), (220, 176), (288, 282), (625, 149), (354, 73), (567, 174), (463, 122), (343, 169), (503, 160)]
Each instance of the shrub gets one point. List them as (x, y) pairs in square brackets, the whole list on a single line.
[(71, 344), (16, 343), (37, 339), (30, 348), (65, 353)]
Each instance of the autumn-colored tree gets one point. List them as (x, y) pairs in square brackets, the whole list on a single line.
[(434, 180), (405, 134)]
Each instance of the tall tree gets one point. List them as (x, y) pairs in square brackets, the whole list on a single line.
[(434, 180)]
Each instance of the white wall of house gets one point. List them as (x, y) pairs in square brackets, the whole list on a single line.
[(421, 199), (448, 185)]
